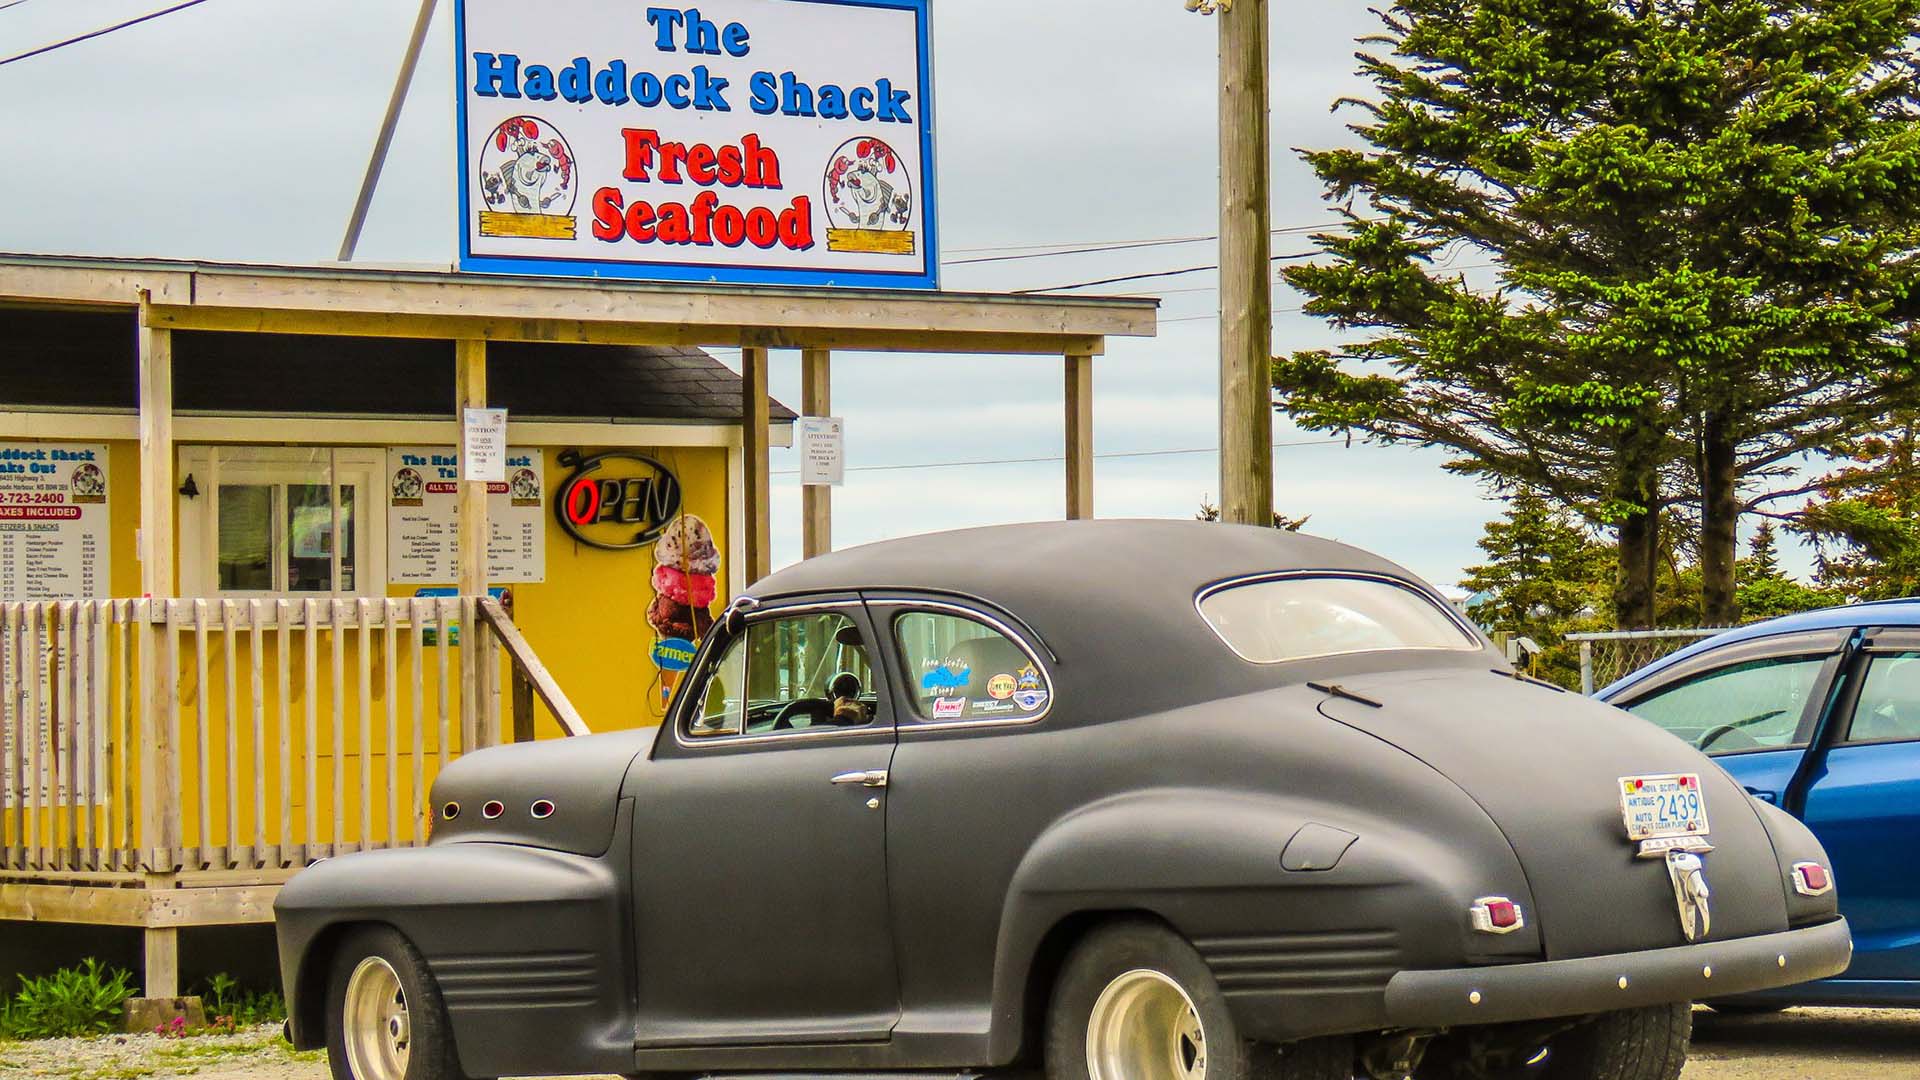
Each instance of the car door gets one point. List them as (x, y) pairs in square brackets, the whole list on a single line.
[(1754, 706), (1863, 802), (759, 872)]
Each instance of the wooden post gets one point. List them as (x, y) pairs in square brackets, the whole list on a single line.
[(476, 645), (816, 501), (159, 813), (756, 418), (162, 979), (1079, 437), (1246, 269)]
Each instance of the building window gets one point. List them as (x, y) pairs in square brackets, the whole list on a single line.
[(275, 521)]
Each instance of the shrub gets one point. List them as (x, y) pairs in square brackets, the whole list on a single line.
[(82, 1000)]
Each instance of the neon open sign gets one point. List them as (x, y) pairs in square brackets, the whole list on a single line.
[(617, 501)]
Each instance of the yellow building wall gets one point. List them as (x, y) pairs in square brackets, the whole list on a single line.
[(587, 622)]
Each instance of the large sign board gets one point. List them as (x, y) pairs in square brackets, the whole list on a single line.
[(763, 142), (423, 517), (54, 521)]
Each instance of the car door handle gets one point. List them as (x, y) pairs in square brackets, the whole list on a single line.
[(871, 778), (1763, 796)]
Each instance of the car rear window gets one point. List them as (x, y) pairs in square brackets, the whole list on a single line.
[(1281, 619)]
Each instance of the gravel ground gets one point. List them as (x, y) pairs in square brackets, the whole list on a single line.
[(1803, 1044)]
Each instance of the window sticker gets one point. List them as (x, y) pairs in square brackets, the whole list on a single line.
[(968, 670)]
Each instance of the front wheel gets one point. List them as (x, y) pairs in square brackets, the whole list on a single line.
[(1136, 1002), (385, 1019)]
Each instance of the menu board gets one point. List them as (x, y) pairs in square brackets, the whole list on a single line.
[(423, 517), (54, 522)]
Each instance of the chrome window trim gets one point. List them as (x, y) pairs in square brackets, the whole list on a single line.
[(909, 605), (1475, 642), (754, 614)]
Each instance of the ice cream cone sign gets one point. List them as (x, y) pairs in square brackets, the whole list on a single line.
[(685, 585)]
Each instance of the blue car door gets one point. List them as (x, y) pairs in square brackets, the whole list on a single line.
[(1754, 706), (1862, 799)]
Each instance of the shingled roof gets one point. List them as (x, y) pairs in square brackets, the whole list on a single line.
[(86, 360)]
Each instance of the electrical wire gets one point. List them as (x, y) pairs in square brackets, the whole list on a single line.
[(1102, 245), (1156, 274), (102, 32), (11, 3), (1062, 457)]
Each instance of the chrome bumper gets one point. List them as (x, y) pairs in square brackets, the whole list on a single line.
[(1553, 988)]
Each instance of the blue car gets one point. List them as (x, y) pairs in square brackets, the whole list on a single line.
[(1819, 714)]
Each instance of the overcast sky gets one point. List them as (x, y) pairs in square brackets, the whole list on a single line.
[(238, 130)]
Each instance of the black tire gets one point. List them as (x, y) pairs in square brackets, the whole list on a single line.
[(431, 1053), (1633, 1044), (1122, 948)]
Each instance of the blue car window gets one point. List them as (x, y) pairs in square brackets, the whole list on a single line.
[(1753, 706), (1889, 708)]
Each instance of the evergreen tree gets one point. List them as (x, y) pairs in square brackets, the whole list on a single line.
[(1766, 591), (1867, 527), (1701, 217)]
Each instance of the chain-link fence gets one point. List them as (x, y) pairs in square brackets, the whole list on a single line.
[(1606, 658)]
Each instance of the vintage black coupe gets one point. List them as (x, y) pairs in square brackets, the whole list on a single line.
[(1132, 800)]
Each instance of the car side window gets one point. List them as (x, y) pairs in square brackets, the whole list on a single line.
[(1889, 706), (803, 672), (959, 668), (1751, 706)]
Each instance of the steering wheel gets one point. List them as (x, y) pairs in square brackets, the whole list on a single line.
[(817, 709), (1724, 730)]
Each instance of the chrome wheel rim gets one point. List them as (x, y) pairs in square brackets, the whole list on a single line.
[(1144, 1027), (378, 1034)]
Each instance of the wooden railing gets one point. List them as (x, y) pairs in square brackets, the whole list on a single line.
[(155, 736)]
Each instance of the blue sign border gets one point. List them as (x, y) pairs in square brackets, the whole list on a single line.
[(689, 273)]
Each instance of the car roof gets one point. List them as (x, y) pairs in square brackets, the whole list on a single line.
[(1112, 599), (1901, 612), (1150, 562)]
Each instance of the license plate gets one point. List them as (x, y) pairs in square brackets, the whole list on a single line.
[(1661, 806)]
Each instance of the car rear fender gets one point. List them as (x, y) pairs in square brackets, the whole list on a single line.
[(1318, 944), (502, 928)]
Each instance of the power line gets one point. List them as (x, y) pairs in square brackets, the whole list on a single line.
[(1062, 457), (102, 32), (11, 3), (1282, 231), (1156, 274)]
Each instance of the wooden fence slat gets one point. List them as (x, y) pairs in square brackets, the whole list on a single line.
[(60, 695), (391, 659), (11, 810), (229, 654), (337, 608), (365, 644), (283, 668), (444, 647), (35, 671), (418, 666), (126, 727), (310, 759), (257, 664), (90, 720), (203, 731), (175, 612)]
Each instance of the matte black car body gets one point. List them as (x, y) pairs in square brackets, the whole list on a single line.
[(696, 907)]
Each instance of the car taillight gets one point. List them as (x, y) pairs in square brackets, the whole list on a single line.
[(1812, 879), (1496, 915)]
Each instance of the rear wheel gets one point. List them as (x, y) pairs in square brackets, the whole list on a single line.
[(385, 1019), (1633, 1044), (1135, 1002)]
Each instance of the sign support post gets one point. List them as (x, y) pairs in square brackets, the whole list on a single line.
[(756, 417), (816, 500), (479, 719), (160, 761), (1079, 437), (1246, 267), (384, 141)]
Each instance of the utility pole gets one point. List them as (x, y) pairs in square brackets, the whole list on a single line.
[(1246, 263)]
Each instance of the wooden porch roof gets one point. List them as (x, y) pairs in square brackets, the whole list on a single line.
[(360, 301)]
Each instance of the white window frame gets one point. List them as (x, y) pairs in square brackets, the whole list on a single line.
[(211, 466)]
